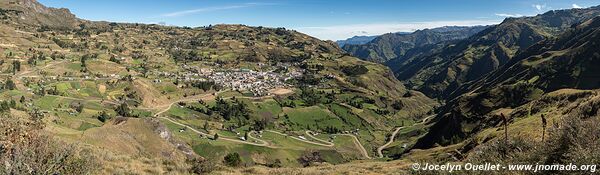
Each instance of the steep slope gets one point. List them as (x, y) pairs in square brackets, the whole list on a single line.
[(569, 61), (31, 13), (395, 45), (440, 73)]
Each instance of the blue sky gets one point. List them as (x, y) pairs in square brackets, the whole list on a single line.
[(325, 19)]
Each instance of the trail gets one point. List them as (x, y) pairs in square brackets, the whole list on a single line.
[(391, 139), (302, 140), (310, 134), (195, 98), (358, 145), (329, 144), (262, 142)]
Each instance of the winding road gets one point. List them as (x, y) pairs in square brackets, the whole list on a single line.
[(262, 142), (329, 144), (358, 145), (391, 139)]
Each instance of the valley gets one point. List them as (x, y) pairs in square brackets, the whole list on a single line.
[(94, 97)]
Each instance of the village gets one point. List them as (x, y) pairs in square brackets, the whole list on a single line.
[(258, 83)]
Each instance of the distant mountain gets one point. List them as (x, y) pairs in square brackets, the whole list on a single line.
[(355, 40), (570, 61), (395, 45), (446, 68)]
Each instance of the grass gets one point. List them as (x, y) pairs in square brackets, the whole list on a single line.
[(312, 118), (348, 116), (181, 112), (288, 149)]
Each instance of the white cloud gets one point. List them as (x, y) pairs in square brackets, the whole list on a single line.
[(575, 6), (509, 15), (539, 7), (211, 9), (346, 31)]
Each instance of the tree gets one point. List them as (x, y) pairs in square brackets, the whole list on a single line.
[(232, 159), (22, 100), (10, 85), (216, 136), (103, 116), (16, 66), (260, 124), (123, 110), (398, 105)]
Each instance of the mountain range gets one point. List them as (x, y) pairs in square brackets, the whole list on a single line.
[(355, 40), (95, 97), (396, 45)]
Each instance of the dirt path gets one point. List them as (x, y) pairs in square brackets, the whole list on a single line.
[(302, 140), (195, 98), (262, 142), (358, 145), (391, 139), (329, 144), (310, 134)]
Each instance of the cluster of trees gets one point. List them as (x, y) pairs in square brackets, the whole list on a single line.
[(204, 85), (355, 70), (285, 102), (308, 79), (63, 43), (332, 130), (236, 109), (33, 59), (310, 96), (359, 101), (187, 55), (131, 96), (123, 110)]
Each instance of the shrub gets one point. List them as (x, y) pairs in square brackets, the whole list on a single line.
[(201, 166), (573, 140), (25, 150), (355, 70), (232, 159), (309, 157)]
